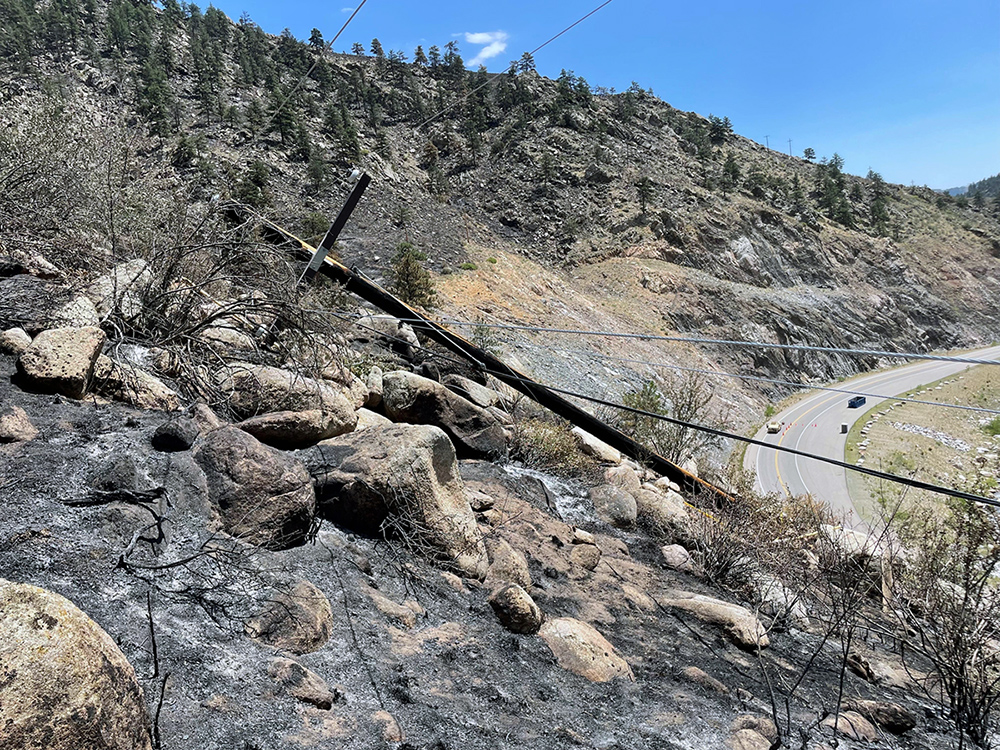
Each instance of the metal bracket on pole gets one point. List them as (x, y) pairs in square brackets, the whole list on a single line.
[(338, 225)]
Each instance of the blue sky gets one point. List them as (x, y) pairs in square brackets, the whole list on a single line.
[(909, 88)]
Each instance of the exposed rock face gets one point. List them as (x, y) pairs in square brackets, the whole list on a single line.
[(264, 497), (15, 426), (133, 385), (406, 476), (298, 429), (580, 649), (587, 556), (516, 610), (257, 389), (299, 620), (62, 360), (374, 384), (410, 398), (302, 683), (738, 622), (677, 558), (614, 506), (66, 685)]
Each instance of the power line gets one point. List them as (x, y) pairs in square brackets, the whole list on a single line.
[(756, 378), (327, 46), (512, 67), (908, 481), (726, 342)]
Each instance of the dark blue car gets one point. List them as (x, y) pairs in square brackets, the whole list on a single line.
[(855, 402)]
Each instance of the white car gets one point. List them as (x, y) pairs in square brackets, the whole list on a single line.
[(773, 427)]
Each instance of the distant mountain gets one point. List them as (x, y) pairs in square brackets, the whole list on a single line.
[(955, 191)]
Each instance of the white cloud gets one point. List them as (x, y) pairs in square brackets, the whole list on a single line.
[(347, 10), (494, 43)]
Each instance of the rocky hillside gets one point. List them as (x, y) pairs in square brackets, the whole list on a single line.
[(241, 511), (345, 563), (616, 211)]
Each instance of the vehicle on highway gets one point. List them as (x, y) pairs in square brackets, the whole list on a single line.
[(773, 427), (855, 402)]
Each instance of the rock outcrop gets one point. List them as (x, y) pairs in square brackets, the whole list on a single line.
[(416, 400), (403, 479), (264, 497)]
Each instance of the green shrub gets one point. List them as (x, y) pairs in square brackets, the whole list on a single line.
[(468, 266), (992, 427)]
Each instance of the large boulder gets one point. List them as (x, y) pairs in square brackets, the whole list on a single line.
[(258, 389), (580, 649), (299, 620), (663, 513), (410, 398), (297, 429), (402, 479), (596, 448), (739, 623), (122, 289), (302, 683), (65, 684), (614, 505), (264, 497), (132, 385), (62, 360)]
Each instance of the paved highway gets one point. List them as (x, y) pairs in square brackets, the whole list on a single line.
[(813, 426)]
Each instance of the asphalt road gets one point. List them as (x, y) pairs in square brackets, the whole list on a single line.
[(814, 426)]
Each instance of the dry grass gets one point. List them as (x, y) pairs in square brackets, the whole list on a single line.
[(961, 453)]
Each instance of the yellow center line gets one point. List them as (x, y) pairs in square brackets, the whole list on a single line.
[(867, 384)]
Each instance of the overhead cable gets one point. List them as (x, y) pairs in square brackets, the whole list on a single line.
[(511, 69), (723, 342), (908, 481), (327, 46), (759, 379)]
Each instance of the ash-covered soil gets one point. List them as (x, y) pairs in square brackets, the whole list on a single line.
[(439, 671)]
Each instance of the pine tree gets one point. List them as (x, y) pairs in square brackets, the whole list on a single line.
[(419, 58), (410, 281), (377, 49), (434, 56), (644, 187), (358, 49), (730, 173), (809, 154), (316, 40)]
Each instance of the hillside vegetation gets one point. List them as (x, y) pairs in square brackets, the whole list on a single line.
[(638, 216)]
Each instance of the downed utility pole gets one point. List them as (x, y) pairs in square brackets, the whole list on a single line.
[(355, 282)]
